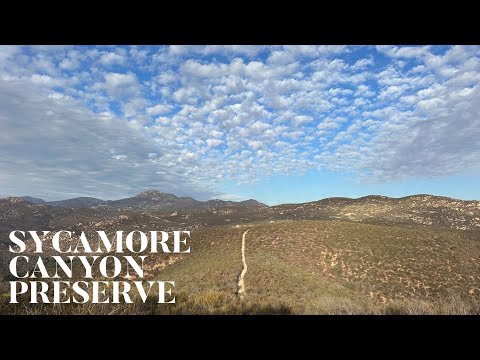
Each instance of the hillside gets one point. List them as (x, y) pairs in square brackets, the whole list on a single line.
[(324, 266), (16, 213), (418, 209)]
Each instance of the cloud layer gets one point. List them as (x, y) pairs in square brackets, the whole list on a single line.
[(111, 121)]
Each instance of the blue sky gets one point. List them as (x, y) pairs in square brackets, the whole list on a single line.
[(275, 123)]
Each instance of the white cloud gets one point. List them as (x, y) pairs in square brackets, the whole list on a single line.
[(392, 92), (404, 51), (362, 63), (186, 95), (301, 120), (250, 50), (111, 58), (315, 50), (211, 143), (46, 80), (69, 64), (281, 58), (255, 144), (120, 85), (159, 109), (182, 50), (216, 134), (119, 157)]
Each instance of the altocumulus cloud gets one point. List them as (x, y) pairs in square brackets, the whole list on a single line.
[(110, 121)]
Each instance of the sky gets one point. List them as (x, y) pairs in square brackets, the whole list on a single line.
[(275, 123)]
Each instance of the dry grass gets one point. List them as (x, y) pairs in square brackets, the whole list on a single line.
[(383, 262), (450, 305), (219, 303)]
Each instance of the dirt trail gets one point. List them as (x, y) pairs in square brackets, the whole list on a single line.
[(241, 284)]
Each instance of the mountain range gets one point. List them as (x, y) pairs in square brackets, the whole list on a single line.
[(373, 209), (151, 199)]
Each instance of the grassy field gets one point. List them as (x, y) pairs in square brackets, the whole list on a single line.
[(311, 267)]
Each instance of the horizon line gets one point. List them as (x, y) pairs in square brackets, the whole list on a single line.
[(238, 201)]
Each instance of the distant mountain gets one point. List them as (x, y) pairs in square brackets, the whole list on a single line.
[(163, 201), (157, 200), (221, 203), (251, 202), (34, 200), (150, 199), (155, 195), (78, 202)]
